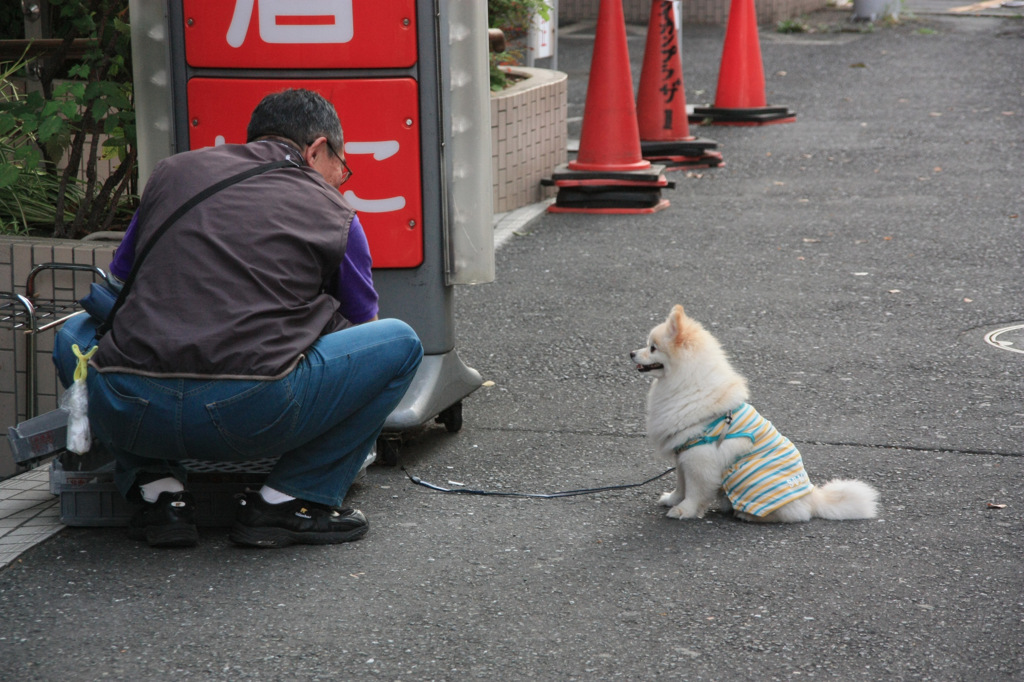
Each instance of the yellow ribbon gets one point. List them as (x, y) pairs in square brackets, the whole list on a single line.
[(83, 361)]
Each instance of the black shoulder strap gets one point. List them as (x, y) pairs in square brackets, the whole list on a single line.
[(182, 210)]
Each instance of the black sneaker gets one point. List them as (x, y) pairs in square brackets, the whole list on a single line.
[(260, 524), (168, 522)]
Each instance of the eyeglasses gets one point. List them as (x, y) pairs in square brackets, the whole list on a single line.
[(348, 171)]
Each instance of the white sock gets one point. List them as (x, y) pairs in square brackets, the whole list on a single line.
[(152, 490), (271, 496)]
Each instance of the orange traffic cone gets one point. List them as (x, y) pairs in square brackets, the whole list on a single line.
[(609, 174), (740, 98), (661, 103)]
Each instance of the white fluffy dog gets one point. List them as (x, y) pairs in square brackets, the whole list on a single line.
[(724, 451)]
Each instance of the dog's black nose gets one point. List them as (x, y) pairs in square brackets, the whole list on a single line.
[(632, 354)]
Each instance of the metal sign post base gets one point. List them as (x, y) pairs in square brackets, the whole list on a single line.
[(437, 390)]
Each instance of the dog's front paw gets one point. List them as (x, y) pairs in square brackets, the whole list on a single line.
[(685, 510), (670, 499)]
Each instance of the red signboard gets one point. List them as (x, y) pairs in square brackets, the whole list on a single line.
[(380, 119), (300, 34)]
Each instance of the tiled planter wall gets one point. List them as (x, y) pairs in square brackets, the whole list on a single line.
[(528, 137), (17, 257), (693, 11)]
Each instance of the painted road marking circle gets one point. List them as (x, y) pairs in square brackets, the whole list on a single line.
[(1007, 338)]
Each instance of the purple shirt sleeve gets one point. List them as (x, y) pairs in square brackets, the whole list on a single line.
[(355, 278), (124, 256)]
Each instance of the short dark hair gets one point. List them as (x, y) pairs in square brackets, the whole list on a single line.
[(298, 115)]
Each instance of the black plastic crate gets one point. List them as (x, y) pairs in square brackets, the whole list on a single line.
[(88, 496)]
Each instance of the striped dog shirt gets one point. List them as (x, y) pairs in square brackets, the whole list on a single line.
[(770, 475)]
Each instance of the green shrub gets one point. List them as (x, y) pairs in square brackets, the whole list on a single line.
[(513, 18), (83, 114)]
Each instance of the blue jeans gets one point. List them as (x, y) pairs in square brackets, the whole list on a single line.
[(321, 420)]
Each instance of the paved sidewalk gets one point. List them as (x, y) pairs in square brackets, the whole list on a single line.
[(992, 8), (29, 513), (855, 264)]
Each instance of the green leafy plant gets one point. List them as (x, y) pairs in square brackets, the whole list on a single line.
[(81, 116), (513, 17), (28, 193)]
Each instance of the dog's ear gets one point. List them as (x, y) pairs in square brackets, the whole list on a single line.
[(676, 317), (675, 323), (682, 330)]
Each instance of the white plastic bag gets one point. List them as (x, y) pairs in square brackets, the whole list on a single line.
[(76, 401)]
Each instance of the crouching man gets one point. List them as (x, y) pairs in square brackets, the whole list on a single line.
[(250, 331)]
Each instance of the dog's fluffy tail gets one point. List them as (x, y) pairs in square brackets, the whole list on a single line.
[(842, 499)]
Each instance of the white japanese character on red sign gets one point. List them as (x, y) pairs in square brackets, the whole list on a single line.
[(293, 21), (381, 150)]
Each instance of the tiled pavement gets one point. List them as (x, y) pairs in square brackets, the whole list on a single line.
[(29, 513)]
